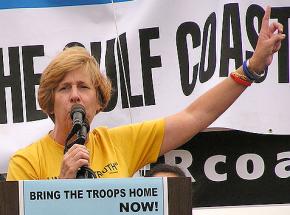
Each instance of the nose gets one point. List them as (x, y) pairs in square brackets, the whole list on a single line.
[(74, 96)]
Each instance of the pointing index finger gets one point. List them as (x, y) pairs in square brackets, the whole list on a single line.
[(265, 23)]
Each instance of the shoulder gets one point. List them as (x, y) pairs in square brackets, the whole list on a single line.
[(32, 149), (141, 129), (144, 125), (100, 131)]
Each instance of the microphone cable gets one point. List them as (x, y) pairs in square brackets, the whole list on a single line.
[(81, 133)]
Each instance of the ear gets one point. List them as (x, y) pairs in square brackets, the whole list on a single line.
[(98, 110), (51, 116), (100, 99), (50, 113)]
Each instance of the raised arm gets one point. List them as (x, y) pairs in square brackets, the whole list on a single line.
[(182, 126)]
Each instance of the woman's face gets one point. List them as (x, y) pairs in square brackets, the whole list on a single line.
[(75, 88)]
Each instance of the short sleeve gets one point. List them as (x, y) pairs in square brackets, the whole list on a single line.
[(140, 143), (21, 167)]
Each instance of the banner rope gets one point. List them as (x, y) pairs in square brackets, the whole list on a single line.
[(122, 60)]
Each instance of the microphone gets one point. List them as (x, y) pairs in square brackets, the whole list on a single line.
[(82, 133), (77, 115), (81, 127)]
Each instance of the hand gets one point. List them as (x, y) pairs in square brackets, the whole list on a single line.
[(269, 42), (76, 157)]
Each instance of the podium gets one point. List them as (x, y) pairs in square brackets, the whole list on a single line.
[(157, 196)]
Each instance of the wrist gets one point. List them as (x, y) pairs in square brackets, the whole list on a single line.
[(253, 66), (250, 71)]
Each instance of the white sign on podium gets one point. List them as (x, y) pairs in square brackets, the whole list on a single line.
[(87, 196)]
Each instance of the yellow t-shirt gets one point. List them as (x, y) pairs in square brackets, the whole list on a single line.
[(114, 153)]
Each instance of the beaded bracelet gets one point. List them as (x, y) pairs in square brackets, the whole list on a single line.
[(240, 79), (251, 75), (242, 76)]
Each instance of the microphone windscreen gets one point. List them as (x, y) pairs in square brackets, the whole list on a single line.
[(77, 108)]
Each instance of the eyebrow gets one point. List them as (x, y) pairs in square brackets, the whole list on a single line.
[(69, 83)]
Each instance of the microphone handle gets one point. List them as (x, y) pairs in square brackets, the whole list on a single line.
[(85, 172), (82, 135)]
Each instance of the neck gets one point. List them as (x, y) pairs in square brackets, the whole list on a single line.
[(59, 135)]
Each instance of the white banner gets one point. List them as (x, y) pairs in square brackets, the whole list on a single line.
[(172, 52)]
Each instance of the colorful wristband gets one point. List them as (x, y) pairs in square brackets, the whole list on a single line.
[(251, 75), (239, 80)]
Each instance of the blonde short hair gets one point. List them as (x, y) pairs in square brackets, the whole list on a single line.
[(68, 60)]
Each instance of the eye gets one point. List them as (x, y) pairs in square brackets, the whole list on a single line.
[(63, 88), (84, 86)]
